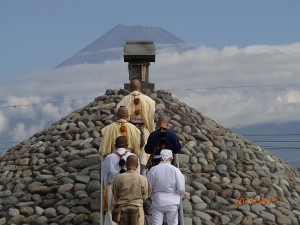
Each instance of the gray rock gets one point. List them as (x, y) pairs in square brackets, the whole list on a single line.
[(188, 221), (10, 201), (62, 210), (183, 158), (200, 206), (187, 207), (225, 219), (80, 209), (93, 186), (268, 217), (40, 220), (202, 215), (67, 218), (193, 160), (198, 186), (38, 210), (82, 179), (13, 212), (2, 221), (196, 220), (50, 212), (196, 199)]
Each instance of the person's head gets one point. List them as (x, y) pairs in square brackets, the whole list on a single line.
[(163, 121), (166, 155), (122, 113), (121, 142), (132, 162), (135, 85)]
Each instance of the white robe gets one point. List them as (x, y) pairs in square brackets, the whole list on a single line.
[(110, 169), (168, 184)]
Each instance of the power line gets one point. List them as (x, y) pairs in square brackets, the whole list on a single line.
[(278, 141), (270, 146), (42, 103), (200, 88), (246, 86), (269, 135)]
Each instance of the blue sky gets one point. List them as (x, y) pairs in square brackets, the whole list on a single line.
[(41, 34), (240, 43)]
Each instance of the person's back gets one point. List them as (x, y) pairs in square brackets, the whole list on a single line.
[(171, 142), (141, 113), (113, 165), (132, 191), (168, 186), (162, 138), (129, 190), (164, 179), (121, 127)]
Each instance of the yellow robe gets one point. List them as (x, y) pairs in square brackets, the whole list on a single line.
[(111, 132), (147, 107)]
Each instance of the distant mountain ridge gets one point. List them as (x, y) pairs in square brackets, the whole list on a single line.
[(110, 45)]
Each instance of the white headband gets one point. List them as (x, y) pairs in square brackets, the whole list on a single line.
[(165, 154)]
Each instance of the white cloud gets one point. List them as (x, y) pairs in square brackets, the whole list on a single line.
[(196, 68), (22, 132), (3, 122)]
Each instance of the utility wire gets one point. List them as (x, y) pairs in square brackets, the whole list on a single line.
[(278, 141), (42, 103), (246, 86), (269, 135), (201, 88)]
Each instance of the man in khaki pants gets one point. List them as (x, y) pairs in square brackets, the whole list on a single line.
[(130, 189)]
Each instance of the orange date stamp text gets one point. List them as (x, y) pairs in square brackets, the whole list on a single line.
[(261, 201)]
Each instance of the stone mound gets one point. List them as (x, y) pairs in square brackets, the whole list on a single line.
[(53, 177)]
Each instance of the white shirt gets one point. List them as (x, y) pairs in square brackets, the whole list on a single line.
[(168, 184), (111, 167)]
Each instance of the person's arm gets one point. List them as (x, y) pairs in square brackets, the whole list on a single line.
[(180, 182), (149, 146), (177, 145), (114, 201), (146, 189), (149, 177), (115, 189)]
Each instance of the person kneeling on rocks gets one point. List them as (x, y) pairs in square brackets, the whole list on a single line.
[(168, 186), (130, 189)]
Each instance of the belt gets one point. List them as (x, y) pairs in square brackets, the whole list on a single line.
[(137, 123)]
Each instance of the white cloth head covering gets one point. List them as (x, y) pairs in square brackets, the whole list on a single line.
[(165, 154)]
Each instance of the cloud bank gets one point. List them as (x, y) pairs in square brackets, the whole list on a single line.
[(198, 77)]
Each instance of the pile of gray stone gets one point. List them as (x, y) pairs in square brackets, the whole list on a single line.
[(54, 176)]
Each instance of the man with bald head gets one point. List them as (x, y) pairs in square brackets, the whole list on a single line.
[(141, 113), (162, 138), (121, 128), (113, 165), (130, 189)]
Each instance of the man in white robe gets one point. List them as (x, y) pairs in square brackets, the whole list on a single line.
[(168, 187), (141, 113), (110, 169)]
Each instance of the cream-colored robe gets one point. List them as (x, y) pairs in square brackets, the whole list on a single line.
[(147, 106), (111, 132)]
